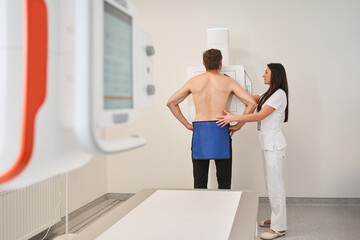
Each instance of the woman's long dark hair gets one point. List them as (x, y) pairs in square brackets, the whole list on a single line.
[(278, 80)]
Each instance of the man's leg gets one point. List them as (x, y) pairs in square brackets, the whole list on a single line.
[(223, 173), (200, 171)]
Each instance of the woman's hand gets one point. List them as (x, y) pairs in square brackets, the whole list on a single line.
[(226, 119)]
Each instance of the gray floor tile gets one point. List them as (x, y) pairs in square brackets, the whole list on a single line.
[(318, 222)]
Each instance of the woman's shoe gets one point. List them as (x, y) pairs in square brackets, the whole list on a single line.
[(265, 223), (269, 235)]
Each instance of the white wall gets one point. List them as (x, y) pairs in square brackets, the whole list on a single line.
[(316, 41), (85, 184)]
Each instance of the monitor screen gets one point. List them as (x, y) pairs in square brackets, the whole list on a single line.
[(118, 88)]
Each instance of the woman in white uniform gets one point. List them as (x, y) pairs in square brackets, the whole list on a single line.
[(272, 110)]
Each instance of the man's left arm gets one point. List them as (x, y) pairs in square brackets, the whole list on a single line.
[(247, 99)]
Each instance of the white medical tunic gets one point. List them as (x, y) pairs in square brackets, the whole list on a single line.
[(271, 127), (273, 144)]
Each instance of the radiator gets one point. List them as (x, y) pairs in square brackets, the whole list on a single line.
[(28, 211)]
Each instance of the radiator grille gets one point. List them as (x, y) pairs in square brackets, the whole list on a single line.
[(28, 211)]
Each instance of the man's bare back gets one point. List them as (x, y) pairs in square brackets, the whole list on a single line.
[(211, 91)]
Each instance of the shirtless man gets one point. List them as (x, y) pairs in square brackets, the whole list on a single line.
[(211, 91)]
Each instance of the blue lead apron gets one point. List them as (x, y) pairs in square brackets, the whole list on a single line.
[(210, 141)]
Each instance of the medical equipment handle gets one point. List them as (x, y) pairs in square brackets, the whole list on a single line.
[(94, 146), (34, 81), (126, 143)]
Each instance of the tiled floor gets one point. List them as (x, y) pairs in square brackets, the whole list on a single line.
[(317, 222)]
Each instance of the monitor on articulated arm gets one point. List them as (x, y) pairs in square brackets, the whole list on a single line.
[(113, 70)]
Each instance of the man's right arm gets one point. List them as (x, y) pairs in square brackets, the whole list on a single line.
[(175, 100)]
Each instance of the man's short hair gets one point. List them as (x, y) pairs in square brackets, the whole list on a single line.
[(212, 59)]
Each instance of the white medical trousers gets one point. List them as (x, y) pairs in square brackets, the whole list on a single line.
[(273, 166)]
